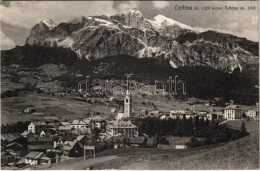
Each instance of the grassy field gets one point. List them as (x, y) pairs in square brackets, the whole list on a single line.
[(239, 154), (56, 107)]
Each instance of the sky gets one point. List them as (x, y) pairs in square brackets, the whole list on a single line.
[(17, 18)]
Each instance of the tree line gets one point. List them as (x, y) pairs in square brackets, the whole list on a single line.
[(210, 132)]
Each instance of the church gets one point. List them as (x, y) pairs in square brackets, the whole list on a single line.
[(128, 105)]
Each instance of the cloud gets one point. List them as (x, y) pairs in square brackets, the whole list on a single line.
[(26, 14), (5, 42), (128, 5), (161, 4)]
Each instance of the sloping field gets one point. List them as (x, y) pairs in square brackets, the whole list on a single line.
[(239, 154)]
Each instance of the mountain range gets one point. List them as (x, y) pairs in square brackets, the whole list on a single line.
[(130, 33)]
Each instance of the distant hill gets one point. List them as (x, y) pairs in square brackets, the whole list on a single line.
[(201, 81)]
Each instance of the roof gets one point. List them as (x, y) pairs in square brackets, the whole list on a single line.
[(39, 123), (29, 108), (65, 123), (177, 112), (96, 118), (39, 139), (39, 147), (137, 140), (78, 122), (34, 155), (10, 137), (121, 124), (233, 107), (80, 137), (45, 158), (65, 128), (14, 143), (68, 145), (25, 133), (67, 137), (5, 153)]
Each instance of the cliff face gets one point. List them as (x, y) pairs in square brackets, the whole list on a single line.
[(130, 33)]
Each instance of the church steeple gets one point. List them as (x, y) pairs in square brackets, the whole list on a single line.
[(128, 104)]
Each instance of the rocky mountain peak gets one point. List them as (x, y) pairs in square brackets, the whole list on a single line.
[(132, 12), (129, 33)]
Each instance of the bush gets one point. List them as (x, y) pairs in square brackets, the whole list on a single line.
[(194, 142)]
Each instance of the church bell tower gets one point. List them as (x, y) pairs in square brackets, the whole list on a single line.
[(128, 104)]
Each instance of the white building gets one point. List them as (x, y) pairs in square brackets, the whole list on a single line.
[(33, 158), (232, 112), (36, 127), (79, 126), (126, 128), (174, 114), (252, 113), (128, 107)]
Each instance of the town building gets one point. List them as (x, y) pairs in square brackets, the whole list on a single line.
[(6, 157), (80, 127), (95, 121), (37, 127), (232, 112), (70, 148), (65, 129), (33, 158), (38, 143), (126, 128), (7, 139), (128, 105), (252, 114), (180, 114), (212, 116), (26, 134), (29, 110)]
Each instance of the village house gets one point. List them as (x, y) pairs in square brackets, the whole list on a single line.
[(154, 112), (33, 158), (164, 116), (202, 115), (137, 141), (80, 126), (6, 157), (37, 127), (38, 143), (96, 121), (232, 112), (65, 129), (144, 112), (252, 114), (180, 114), (26, 134), (72, 148), (122, 128), (212, 116), (12, 138), (29, 110)]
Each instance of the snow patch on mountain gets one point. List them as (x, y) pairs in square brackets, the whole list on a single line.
[(48, 22), (161, 20), (68, 42), (173, 64), (149, 52)]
